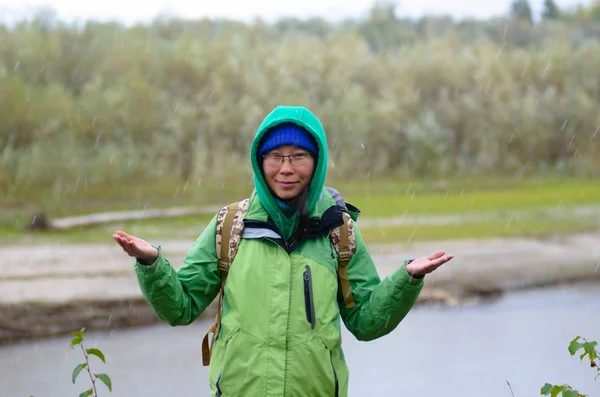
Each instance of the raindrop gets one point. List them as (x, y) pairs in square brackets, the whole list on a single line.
[(500, 51), (382, 232), (176, 191), (211, 93), (509, 222), (129, 163), (596, 133), (571, 141), (524, 70), (223, 185), (462, 191), (446, 195), (363, 146), (472, 202), (94, 122), (186, 185), (408, 188), (335, 141), (187, 55), (108, 322), (111, 159), (42, 68), (199, 182), (564, 124), (597, 267), (558, 206), (511, 138), (16, 66), (176, 107), (546, 70), (98, 137)]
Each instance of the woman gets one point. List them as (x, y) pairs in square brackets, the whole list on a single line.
[(272, 341)]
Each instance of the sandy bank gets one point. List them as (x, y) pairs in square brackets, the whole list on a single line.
[(48, 290)]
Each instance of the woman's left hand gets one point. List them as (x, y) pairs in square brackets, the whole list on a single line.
[(427, 264)]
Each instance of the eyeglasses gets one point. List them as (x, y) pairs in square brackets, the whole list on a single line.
[(275, 160)]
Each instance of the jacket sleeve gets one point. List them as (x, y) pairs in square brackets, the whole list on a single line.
[(380, 305), (179, 296)]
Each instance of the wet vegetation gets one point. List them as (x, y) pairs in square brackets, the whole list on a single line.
[(102, 116)]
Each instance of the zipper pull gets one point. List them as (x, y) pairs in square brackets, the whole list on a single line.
[(309, 303)]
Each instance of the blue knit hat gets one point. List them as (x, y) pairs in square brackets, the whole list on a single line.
[(287, 134)]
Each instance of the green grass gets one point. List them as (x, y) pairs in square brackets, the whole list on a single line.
[(188, 227), (530, 228), (495, 199), (375, 200)]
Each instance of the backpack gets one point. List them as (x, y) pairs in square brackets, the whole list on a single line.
[(230, 226)]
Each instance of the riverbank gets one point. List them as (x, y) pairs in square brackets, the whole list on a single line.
[(50, 290)]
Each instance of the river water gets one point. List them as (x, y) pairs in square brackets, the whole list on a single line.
[(464, 351)]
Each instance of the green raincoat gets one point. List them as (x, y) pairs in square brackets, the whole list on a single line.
[(280, 330)]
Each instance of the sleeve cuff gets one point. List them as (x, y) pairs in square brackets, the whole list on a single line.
[(413, 278), (147, 265)]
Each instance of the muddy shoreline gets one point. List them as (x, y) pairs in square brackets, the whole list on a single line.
[(51, 290)]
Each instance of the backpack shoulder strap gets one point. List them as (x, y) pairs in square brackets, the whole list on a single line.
[(230, 226), (344, 240)]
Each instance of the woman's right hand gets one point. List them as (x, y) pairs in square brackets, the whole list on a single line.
[(136, 247)]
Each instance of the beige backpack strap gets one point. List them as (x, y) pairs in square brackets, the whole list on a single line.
[(344, 241), (230, 225)]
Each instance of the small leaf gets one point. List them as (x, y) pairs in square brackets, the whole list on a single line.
[(77, 370), (75, 341), (97, 353), (78, 334), (570, 393), (87, 393), (574, 347), (590, 349), (106, 380), (546, 389), (556, 391)]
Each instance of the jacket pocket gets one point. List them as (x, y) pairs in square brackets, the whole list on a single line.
[(221, 353), (218, 384), (309, 303), (335, 377)]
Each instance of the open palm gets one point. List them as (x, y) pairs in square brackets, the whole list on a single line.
[(136, 247), (427, 264)]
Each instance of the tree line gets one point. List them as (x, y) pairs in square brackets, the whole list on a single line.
[(104, 102)]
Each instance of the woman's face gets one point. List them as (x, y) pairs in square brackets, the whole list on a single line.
[(287, 177)]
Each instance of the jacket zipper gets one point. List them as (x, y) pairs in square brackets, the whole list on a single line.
[(335, 377), (309, 303), (219, 392)]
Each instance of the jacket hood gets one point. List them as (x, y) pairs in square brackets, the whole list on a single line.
[(306, 119)]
